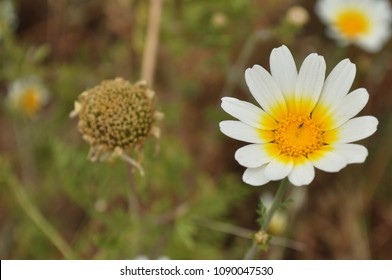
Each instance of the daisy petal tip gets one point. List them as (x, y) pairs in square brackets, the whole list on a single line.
[(373, 124), (255, 176), (226, 99), (282, 48), (223, 126), (296, 183)]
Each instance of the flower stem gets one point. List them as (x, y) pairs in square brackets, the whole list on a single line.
[(238, 68), (150, 51), (275, 205), (133, 163), (134, 202), (35, 215)]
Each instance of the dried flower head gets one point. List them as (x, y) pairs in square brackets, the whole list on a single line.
[(116, 116), (27, 96)]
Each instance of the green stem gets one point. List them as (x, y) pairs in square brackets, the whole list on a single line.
[(134, 201), (39, 220), (238, 68), (275, 205)]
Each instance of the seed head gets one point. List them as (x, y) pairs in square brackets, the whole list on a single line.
[(116, 116)]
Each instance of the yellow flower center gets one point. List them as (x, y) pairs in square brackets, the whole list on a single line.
[(352, 23), (30, 101), (298, 135)]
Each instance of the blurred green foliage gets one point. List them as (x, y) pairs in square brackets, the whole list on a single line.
[(192, 181)]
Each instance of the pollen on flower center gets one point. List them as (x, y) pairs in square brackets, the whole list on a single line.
[(352, 23), (298, 135)]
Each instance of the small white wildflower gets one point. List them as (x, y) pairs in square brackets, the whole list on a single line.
[(27, 96), (297, 16), (365, 23)]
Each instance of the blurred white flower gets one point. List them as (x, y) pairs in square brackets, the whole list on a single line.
[(27, 96), (219, 19), (101, 205), (297, 16), (305, 120), (365, 23)]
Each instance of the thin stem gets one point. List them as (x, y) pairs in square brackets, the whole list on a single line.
[(275, 205), (251, 252), (133, 163), (150, 52), (35, 215), (247, 50), (134, 204), (246, 233), (25, 152), (226, 228), (135, 209)]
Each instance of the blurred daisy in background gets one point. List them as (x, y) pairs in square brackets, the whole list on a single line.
[(365, 23), (27, 96), (7, 17), (305, 120)]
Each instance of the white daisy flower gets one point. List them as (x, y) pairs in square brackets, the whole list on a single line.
[(365, 23), (305, 120), (27, 96)]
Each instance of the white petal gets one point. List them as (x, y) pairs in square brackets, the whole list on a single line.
[(348, 108), (255, 155), (327, 9), (284, 70), (371, 45), (255, 176), (279, 167), (248, 113), (302, 173), (375, 40), (354, 130), (353, 153), (380, 15), (338, 82), (382, 11), (328, 160), (265, 90), (310, 82), (243, 132)]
